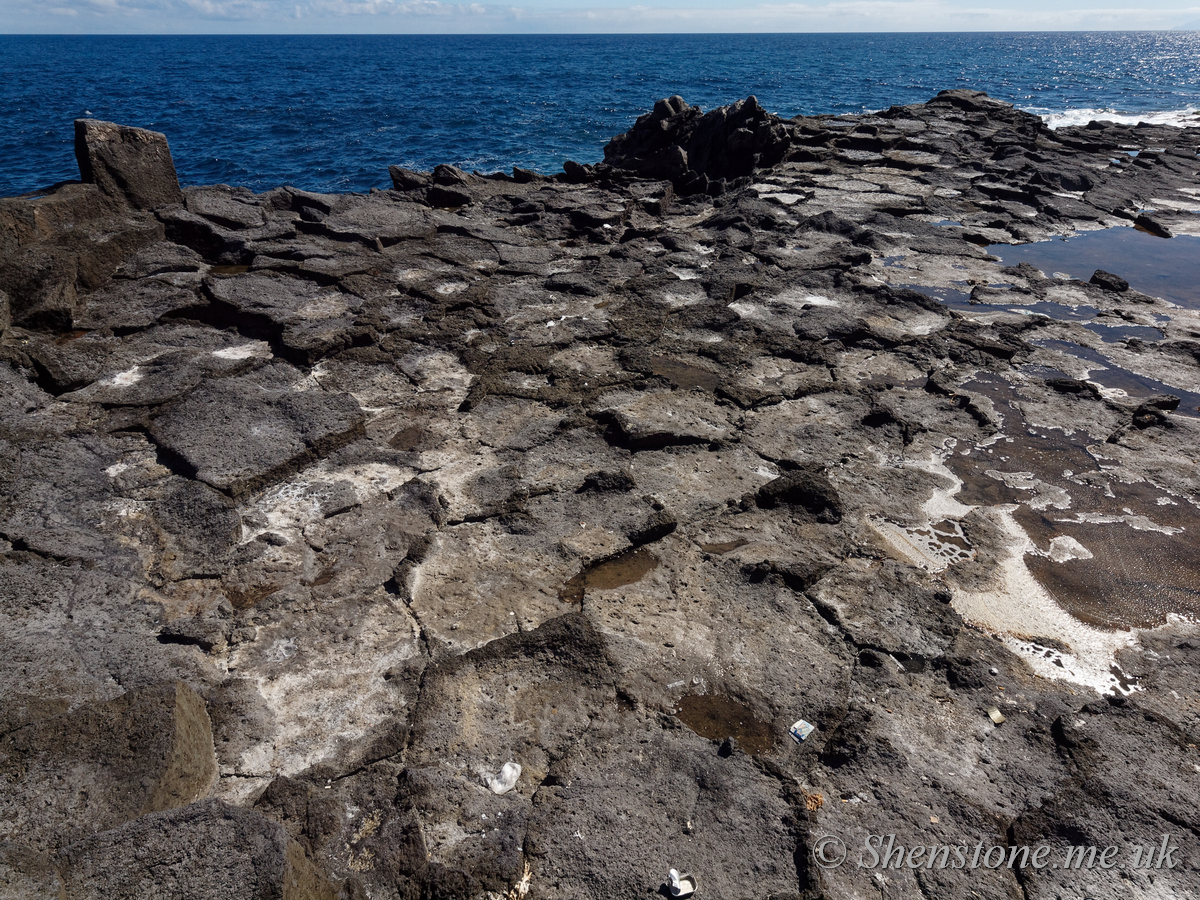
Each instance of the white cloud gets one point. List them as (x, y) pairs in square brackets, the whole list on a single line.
[(608, 15)]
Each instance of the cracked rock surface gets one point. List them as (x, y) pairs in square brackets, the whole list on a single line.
[(318, 510)]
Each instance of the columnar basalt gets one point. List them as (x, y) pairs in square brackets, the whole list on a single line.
[(320, 509)]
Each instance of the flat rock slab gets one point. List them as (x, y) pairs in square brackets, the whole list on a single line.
[(169, 375), (651, 421), (282, 300), (226, 206), (634, 799), (240, 434), (377, 218), (525, 698)]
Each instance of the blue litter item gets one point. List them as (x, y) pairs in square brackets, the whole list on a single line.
[(801, 730)]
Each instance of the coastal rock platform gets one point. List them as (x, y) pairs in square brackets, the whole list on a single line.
[(319, 510)]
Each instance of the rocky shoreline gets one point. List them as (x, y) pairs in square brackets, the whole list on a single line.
[(321, 509)]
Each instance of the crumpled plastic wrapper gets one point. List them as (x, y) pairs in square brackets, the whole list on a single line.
[(506, 780)]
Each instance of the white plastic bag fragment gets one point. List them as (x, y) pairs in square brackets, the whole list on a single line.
[(506, 780)]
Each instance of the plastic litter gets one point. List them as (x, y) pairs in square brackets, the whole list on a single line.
[(682, 885), (996, 715), (801, 730), (506, 780)]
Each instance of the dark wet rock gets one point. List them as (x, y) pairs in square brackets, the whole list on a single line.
[(1154, 411), (1072, 386), (1109, 281), (130, 164), (1152, 225)]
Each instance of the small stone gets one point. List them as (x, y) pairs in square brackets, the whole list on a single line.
[(1109, 281)]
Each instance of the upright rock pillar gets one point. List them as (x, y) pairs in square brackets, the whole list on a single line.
[(129, 164)]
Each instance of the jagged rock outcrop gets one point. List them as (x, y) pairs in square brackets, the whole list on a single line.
[(675, 141), (701, 152), (319, 510)]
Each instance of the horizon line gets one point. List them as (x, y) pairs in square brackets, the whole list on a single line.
[(577, 34)]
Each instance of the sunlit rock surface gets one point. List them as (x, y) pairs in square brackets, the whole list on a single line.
[(319, 510)]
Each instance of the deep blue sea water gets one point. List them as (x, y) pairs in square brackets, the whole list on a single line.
[(330, 113)]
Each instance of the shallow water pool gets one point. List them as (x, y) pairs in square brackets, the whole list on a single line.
[(1161, 267)]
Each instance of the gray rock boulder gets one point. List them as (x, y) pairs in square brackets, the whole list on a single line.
[(58, 246), (1109, 281), (131, 164)]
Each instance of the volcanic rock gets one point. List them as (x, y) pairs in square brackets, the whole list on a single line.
[(241, 434), (207, 851), (322, 509), (130, 164), (148, 750), (1109, 281)]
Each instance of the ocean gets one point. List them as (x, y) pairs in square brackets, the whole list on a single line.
[(331, 113)]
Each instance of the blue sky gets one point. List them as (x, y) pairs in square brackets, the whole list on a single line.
[(581, 16)]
